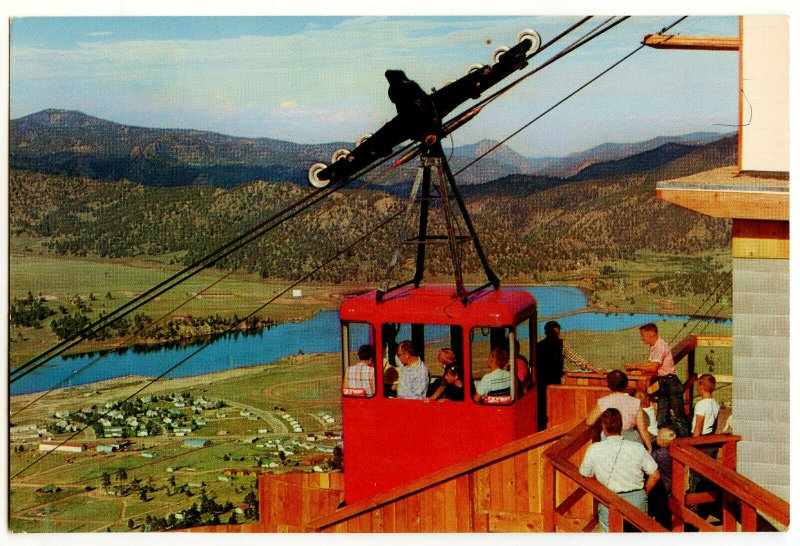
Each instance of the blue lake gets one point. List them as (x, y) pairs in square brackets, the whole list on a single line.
[(316, 335)]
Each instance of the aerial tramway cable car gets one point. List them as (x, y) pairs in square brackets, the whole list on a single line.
[(390, 438)]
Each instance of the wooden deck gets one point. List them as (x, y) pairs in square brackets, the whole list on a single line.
[(528, 485)]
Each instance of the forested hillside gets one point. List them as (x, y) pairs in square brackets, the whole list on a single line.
[(558, 229)]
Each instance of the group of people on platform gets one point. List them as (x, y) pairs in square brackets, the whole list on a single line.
[(625, 460), (632, 459)]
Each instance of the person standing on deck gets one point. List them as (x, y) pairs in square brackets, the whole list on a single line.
[(552, 353), (706, 410), (620, 465), (670, 389), (634, 424)]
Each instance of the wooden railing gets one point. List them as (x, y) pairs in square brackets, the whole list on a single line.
[(742, 501), (501, 490), (560, 464), (746, 506)]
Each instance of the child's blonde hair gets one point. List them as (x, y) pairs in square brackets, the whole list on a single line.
[(665, 436), (708, 381)]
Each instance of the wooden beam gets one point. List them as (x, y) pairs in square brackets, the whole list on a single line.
[(760, 239), (708, 43), (514, 522), (729, 203), (708, 340)]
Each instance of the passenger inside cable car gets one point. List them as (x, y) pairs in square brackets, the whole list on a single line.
[(496, 357), (496, 383), (390, 438), (450, 386)]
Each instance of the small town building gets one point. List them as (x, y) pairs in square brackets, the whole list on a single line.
[(46, 445)]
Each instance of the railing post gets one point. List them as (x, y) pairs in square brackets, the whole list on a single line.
[(729, 454), (679, 476), (728, 458), (690, 373), (749, 518), (616, 523), (548, 496), (728, 512)]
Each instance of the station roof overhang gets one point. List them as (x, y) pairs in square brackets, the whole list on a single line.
[(727, 193)]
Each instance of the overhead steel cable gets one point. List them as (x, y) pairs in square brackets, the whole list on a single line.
[(225, 250), (698, 311), (372, 232), (598, 30), (566, 98), (207, 261), (123, 343), (559, 36)]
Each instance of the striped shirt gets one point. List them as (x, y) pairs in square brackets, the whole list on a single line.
[(496, 380)]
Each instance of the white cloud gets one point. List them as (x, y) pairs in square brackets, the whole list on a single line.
[(328, 83)]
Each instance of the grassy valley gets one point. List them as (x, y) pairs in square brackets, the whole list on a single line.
[(82, 246)]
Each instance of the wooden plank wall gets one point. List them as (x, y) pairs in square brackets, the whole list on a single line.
[(566, 402), (504, 495), (288, 501), (223, 528)]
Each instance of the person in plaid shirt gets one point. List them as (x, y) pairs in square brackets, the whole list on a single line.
[(362, 374)]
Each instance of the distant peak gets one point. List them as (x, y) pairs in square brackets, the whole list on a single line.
[(64, 118)]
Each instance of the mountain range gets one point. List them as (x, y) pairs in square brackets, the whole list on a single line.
[(64, 142)]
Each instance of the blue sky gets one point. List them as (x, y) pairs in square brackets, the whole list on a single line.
[(320, 79)]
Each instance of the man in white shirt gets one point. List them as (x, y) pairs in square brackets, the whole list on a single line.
[(620, 465), (414, 376), (498, 379)]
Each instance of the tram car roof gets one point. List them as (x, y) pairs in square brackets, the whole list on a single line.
[(441, 305)]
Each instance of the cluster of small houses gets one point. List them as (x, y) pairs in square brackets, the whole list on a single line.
[(151, 420), (292, 422), (173, 416), (282, 449)]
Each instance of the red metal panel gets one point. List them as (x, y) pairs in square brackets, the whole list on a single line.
[(388, 441), (439, 305)]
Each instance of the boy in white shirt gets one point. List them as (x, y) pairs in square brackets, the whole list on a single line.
[(707, 409)]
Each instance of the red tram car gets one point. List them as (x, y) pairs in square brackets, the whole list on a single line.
[(388, 440)]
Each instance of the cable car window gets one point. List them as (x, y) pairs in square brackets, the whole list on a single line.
[(415, 358), (358, 360), (522, 358), (493, 365)]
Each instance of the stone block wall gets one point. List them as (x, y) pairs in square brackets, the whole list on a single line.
[(761, 371)]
